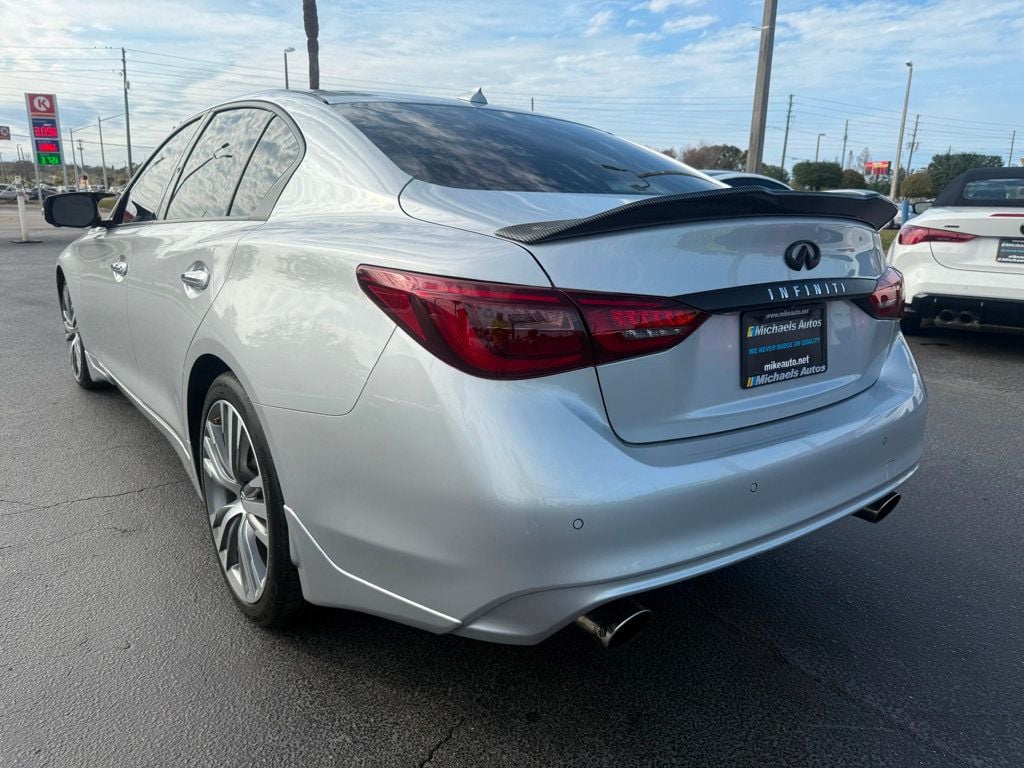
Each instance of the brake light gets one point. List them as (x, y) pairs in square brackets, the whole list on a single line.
[(626, 326), (514, 332), (886, 301), (912, 235)]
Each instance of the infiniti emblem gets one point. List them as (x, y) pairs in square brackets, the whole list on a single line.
[(803, 254)]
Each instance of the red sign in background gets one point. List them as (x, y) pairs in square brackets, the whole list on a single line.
[(42, 104)]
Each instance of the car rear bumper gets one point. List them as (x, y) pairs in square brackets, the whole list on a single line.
[(965, 311), (503, 510)]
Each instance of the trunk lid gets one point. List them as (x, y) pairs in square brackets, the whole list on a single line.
[(997, 246), (731, 267)]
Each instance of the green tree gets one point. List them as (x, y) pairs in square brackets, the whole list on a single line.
[(918, 185), (853, 180), (776, 172), (725, 157), (811, 175), (944, 168)]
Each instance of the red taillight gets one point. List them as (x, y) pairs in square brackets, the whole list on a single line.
[(515, 332), (886, 301), (911, 235), (625, 326)]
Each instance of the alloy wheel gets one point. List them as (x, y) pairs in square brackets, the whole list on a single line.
[(235, 502), (74, 339)]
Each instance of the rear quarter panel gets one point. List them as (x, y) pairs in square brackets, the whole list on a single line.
[(293, 320)]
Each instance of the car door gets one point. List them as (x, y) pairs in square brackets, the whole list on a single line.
[(181, 262), (106, 257)]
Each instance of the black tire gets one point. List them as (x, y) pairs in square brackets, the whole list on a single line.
[(76, 346), (910, 325), (281, 597)]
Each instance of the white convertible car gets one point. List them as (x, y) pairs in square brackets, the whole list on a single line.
[(962, 259)]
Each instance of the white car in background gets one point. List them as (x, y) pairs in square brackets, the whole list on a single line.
[(962, 256)]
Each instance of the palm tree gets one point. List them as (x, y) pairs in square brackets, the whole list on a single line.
[(312, 24)]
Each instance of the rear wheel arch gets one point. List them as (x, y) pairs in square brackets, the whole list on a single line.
[(205, 370)]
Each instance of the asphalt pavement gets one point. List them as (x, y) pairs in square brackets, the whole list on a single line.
[(898, 644)]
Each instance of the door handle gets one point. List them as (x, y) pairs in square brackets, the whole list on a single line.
[(120, 269), (196, 276)]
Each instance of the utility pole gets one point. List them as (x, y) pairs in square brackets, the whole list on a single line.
[(903, 124), (846, 130), (3, 168), (81, 156), (1013, 140), (913, 145), (127, 119), (103, 155), (759, 119), (74, 160), (785, 136), (817, 149)]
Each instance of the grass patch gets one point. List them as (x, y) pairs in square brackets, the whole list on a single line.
[(888, 235)]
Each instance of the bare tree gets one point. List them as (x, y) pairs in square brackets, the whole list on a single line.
[(312, 24)]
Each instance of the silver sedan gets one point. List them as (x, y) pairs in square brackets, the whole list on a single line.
[(486, 372)]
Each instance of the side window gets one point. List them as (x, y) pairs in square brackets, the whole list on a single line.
[(274, 155), (208, 180), (148, 190)]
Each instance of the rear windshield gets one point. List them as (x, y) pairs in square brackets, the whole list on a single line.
[(995, 191), (473, 148)]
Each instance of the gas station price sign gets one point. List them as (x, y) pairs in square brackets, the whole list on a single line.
[(45, 126), (46, 139)]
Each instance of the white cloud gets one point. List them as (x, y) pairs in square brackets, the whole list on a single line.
[(660, 6), (598, 23), (843, 59), (688, 23)]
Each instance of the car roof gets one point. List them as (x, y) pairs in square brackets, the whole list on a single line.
[(331, 98), (720, 174)]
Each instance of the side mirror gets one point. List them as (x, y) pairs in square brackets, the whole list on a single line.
[(73, 209), (921, 207)]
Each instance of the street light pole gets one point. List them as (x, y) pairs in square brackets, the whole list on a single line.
[(903, 124), (759, 119), (817, 148), (287, 50)]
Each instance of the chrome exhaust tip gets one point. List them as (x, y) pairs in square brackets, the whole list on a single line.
[(878, 510), (616, 622), (947, 316), (967, 318)]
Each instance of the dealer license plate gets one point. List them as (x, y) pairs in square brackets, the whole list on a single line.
[(782, 344)]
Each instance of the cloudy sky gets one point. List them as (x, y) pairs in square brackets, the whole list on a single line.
[(661, 72)]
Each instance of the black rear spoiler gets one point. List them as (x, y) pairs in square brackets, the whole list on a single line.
[(736, 202)]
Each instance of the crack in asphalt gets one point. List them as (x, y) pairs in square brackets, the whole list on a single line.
[(907, 728), (447, 737), (63, 502)]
